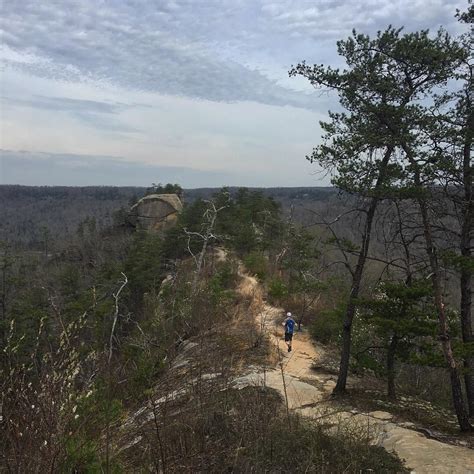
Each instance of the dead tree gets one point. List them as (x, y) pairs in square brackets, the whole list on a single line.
[(206, 236)]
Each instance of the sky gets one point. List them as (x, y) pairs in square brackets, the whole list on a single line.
[(195, 92)]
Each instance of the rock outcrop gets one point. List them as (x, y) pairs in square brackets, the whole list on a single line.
[(156, 212)]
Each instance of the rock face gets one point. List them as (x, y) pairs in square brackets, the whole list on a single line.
[(156, 212)]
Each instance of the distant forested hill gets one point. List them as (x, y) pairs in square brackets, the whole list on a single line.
[(27, 212)]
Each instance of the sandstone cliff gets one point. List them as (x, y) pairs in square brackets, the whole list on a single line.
[(156, 212)]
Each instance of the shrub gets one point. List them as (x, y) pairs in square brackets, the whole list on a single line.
[(256, 263), (326, 327), (249, 431), (81, 456), (277, 290), (314, 449)]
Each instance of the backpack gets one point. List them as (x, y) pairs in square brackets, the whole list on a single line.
[(289, 326)]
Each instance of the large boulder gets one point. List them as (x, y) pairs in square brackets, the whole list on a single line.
[(156, 212)]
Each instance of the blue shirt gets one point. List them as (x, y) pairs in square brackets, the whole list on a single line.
[(289, 325)]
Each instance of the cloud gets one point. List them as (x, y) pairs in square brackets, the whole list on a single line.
[(140, 46), (66, 104), (70, 169), (29, 168), (98, 114), (219, 50), (334, 19)]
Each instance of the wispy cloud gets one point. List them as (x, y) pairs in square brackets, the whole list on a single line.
[(67, 104), (334, 19), (142, 46), (207, 50), (94, 113), (23, 167)]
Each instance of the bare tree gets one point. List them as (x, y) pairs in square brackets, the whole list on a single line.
[(205, 236)]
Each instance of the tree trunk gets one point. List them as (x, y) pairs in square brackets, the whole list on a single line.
[(340, 387), (206, 238), (200, 261), (466, 324), (466, 272), (392, 349), (456, 388)]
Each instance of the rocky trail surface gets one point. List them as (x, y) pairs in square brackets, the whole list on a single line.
[(307, 391)]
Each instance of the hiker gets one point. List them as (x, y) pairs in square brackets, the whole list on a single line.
[(289, 324)]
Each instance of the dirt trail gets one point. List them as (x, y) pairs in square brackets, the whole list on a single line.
[(308, 391)]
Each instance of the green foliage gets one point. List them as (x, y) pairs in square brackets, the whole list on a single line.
[(144, 264), (429, 355), (398, 308), (250, 221), (344, 244), (326, 326), (87, 228), (467, 16), (81, 456), (221, 283), (245, 239), (299, 265), (256, 263), (28, 315), (147, 363), (120, 216), (164, 189), (175, 242), (398, 323), (277, 289), (97, 406), (301, 253), (70, 281), (459, 262), (313, 449), (368, 361), (385, 77), (247, 222)]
